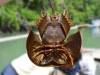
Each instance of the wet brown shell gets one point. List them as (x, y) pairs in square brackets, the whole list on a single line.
[(48, 48)]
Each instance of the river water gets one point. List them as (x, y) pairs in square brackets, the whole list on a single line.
[(98, 68)]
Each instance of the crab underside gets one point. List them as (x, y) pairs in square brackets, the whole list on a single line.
[(48, 47)]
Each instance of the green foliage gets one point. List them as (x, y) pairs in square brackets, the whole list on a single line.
[(81, 11), (8, 16), (29, 14), (12, 14)]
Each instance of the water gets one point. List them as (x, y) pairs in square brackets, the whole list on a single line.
[(98, 68)]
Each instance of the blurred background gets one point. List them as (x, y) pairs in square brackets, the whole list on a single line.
[(17, 17)]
